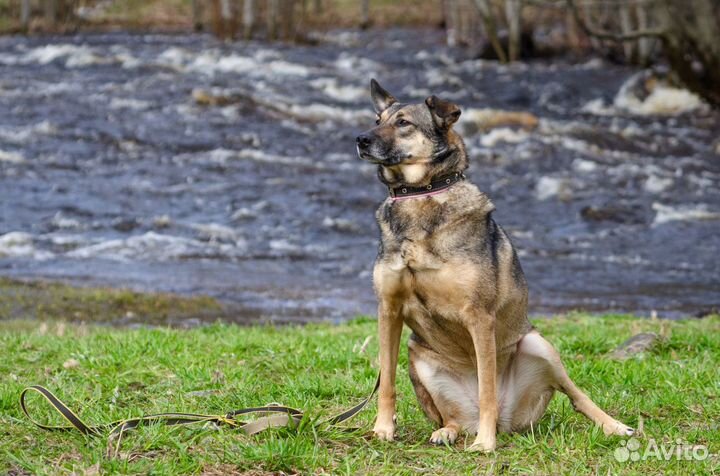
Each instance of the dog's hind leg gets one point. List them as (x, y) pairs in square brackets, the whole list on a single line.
[(447, 398), (535, 371), (525, 391)]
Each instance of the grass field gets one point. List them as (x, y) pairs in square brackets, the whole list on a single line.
[(107, 373)]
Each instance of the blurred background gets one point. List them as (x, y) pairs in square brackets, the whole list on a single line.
[(207, 147)]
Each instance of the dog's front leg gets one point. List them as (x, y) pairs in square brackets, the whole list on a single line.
[(481, 326), (389, 331)]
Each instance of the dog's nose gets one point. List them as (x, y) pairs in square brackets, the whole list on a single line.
[(363, 141)]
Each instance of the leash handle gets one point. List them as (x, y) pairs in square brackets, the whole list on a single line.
[(60, 407)]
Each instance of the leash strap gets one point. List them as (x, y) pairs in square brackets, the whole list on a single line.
[(280, 416)]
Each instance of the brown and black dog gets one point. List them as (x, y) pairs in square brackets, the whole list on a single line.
[(449, 272)]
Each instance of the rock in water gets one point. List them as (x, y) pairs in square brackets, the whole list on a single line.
[(634, 345)]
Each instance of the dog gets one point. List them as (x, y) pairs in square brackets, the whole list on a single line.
[(449, 272)]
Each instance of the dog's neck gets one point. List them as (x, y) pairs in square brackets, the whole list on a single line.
[(448, 160)]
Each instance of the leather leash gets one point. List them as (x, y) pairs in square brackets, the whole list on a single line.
[(279, 416)]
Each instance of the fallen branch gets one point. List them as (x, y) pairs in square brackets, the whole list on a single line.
[(608, 35)]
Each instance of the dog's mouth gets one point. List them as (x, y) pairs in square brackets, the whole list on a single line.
[(367, 156), (385, 160)]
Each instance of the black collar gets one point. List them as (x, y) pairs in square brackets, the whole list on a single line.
[(436, 186)]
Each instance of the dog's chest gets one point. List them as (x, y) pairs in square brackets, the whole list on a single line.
[(422, 257), (411, 234)]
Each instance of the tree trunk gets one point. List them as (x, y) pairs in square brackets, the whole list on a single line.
[(451, 23), (273, 12), (689, 31), (286, 16), (227, 12), (692, 45), (25, 11), (644, 44), (248, 18), (626, 27), (50, 12), (512, 12), (197, 20), (364, 14), (489, 22)]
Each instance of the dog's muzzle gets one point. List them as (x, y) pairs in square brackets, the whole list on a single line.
[(363, 143)]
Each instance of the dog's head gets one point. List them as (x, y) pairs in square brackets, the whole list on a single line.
[(408, 133)]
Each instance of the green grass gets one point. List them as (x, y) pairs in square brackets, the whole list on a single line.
[(123, 373)]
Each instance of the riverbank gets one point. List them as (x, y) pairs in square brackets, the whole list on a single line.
[(108, 373), (177, 16)]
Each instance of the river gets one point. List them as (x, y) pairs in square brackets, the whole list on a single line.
[(181, 163)]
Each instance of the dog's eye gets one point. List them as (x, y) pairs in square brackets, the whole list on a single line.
[(402, 123)]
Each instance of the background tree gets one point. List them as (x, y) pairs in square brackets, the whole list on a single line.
[(688, 30)]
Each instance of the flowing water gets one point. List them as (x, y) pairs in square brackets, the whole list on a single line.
[(179, 163)]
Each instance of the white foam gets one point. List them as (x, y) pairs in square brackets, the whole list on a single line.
[(20, 244), (598, 107), (213, 61), (635, 260), (413, 92), (175, 57), (11, 157), (340, 224), (584, 166), (62, 222), (129, 103), (503, 134), (249, 212), (667, 213), (216, 232), (340, 92), (75, 56), (286, 68), (284, 246), (323, 112), (225, 156), (663, 99), (153, 246), (439, 77), (231, 63), (23, 135), (352, 64), (657, 184), (548, 187)]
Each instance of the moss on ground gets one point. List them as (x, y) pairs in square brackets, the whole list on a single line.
[(40, 300)]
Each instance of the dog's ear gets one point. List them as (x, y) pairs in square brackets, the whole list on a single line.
[(444, 113), (381, 99)]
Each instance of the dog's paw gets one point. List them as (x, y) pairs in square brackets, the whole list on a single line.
[(483, 444), (384, 432), (617, 428), (444, 436)]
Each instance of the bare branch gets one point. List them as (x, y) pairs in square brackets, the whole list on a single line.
[(608, 35), (592, 3), (547, 3)]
